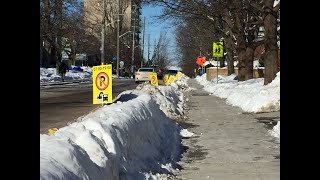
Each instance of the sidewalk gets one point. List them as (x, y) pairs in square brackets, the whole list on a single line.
[(229, 144)]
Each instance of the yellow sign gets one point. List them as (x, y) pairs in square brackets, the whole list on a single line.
[(179, 75), (172, 78), (102, 84), (218, 49), (154, 79), (52, 130), (165, 79)]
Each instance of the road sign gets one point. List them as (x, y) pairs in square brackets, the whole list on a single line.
[(172, 78), (121, 64), (200, 60), (217, 49), (52, 130), (153, 79), (102, 84), (165, 80)]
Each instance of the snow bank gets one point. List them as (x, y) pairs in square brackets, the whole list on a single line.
[(133, 138), (250, 95), (276, 130)]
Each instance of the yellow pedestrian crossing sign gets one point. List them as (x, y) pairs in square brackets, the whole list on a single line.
[(217, 49)]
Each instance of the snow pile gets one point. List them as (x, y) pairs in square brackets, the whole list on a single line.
[(186, 133), (169, 98), (49, 74), (250, 95), (276, 130)]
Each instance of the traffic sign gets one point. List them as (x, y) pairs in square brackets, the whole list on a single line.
[(102, 81), (153, 79), (52, 130), (172, 78), (121, 64), (200, 60), (102, 84), (217, 49)]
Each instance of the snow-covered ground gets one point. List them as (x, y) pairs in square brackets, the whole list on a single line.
[(49, 74), (250, 95)]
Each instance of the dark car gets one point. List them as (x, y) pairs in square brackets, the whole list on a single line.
[(77, 68), (158, 70), (171, 72)]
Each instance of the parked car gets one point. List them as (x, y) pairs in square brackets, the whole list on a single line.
[(77, 68), (143, 74), (170, 72)]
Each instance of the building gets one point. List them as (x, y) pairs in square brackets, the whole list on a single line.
[(130, 11)]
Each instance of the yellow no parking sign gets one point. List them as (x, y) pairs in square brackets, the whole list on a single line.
[(153, 79), (102, 84)]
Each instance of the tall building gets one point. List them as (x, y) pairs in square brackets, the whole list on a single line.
[(130, 11), (93, 15)]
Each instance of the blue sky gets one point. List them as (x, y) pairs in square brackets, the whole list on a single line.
[(154, 27)]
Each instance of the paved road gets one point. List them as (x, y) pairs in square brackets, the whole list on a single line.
[(229, 144), (61, 104)]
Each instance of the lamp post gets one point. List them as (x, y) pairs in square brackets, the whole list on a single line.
[(134, 28), (103, 31), (118, 44)]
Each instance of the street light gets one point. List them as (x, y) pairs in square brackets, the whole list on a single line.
[(133, 34), (118, 29), (103, 31)]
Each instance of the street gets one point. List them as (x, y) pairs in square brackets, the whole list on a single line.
[(61, 104)]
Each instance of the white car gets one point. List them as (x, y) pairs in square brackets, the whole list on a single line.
[(143, 74)]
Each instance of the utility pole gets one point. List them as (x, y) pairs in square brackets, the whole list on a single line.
[(155, 52), (133, 34), (148, 48), (103, 31), (144, 30), (118, 43)]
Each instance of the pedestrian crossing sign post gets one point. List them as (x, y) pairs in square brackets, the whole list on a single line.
[(217, 49), (102, 84)]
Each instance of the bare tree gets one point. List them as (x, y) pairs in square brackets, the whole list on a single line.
[(237, 22), (162, 51), (57, 17), (271, 50)]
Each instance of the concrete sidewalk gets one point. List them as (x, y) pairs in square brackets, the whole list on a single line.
[(229, 144)]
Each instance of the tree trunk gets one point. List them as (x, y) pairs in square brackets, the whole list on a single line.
[(221, 62), (72, 55), (245, 65), (230, 60), (271, 55), (46, 22), (53, 51), (46, 32), (58, 10), (249, 55), (41, 53), (241, 65)]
